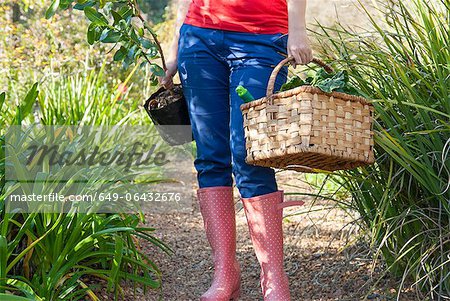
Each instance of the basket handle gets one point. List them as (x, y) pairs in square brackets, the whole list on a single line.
[(280, 65)]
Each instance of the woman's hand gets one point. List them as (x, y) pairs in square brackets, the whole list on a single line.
[(171, 63), (167, 80), (299, 47), (298, 43)]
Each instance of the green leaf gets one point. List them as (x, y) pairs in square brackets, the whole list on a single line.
[(2, 99), (143, 64), (123, 25), (120, 54), (126, 13), (146, 43), (138, 53), (154, 80), (320, 75), (126, 62), (82, 6), (117, 17), (94, 16), (3, 260), (131, 53), (117, 261), (309, 80), (294, 82), (141, 31), (7, 297), (25, 108), (157, 70), (110, 36), (29, 99), (92, 33), (134, 36), (342, 76), (52, 9), (350, 89), (143, 280), (65, 4), (328, 85)]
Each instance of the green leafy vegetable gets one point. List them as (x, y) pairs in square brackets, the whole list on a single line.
[(320, 76), (330, 84), (327, 82), (292, 83)]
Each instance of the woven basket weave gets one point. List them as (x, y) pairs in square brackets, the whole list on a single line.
[(308, 130)]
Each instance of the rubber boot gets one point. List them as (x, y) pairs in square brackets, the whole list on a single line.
[(264, 215), (217, 209)]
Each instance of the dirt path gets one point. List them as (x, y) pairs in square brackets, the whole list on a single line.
[(317, 266)]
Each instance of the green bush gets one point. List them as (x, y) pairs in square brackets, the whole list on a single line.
[(50, 256), (89, 98), (59, 256), (403, 65)]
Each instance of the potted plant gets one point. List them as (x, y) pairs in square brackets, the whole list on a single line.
[(122, 24)]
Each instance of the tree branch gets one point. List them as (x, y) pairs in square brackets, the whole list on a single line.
[(138, 14)]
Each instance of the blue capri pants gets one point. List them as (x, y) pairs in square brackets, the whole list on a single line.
[(211, 64)]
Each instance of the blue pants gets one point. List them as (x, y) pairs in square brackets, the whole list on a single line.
[(211, 64)]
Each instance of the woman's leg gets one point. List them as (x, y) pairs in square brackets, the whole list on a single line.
[(252, 59), (205, 80)]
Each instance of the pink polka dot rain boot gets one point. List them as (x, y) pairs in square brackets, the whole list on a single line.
[(264, 217), (217, 208)]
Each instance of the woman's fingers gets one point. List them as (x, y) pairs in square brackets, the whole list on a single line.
[(167, 80), (303, 56), (299, 48), (296, 54), (308, 55)]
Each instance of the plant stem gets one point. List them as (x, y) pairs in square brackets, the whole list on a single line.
[(138, 14)]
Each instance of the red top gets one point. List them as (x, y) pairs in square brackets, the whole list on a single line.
[(256, 16)]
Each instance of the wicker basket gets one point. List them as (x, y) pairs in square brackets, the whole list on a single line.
[(308, 130)]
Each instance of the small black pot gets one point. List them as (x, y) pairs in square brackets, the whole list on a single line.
[(172, 120)]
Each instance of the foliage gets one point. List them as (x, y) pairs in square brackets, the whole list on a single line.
[(35, 47), (36, 260), (327, 82), (154, 9), (51, 256), (404, 198), (42, 263), (119, 23), (35, 50), (87, 98)]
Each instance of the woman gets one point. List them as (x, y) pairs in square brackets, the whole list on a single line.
[(218, 45)]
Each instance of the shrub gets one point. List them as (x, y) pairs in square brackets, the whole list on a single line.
[(50, 256), (404, 199)]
